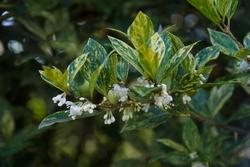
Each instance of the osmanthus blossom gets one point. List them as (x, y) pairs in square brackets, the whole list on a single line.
[(186, 99), (163, 100), (75, 108), (144, 82), (127, 114), (121, 92), (198, 164), (60, 99), (109, 118)]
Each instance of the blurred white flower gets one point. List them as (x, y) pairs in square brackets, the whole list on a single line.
[(164, 99), (60, 99), (145, 107), (15, 46), (121, 92), (1, 48), (144, 82), (198, 164), (109, 118), (193, 155), (127, 114), (202, 77), (244, 66), (8, 21), (186, 99), (245, 153)]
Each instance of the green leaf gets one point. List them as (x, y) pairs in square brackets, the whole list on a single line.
[(206, 55), (199, 102), (152, 54), (93, 80), (176, 60), (122, 70), (191, 136), (62, 116), (172, 144), (246, 41), (127, 53), (226, 8), (243, 112), (176, 158), (218, 97), (207, 8), (143, 91), (150, 119), (224, 42), (74, 73), (140, 30), (55, 77)]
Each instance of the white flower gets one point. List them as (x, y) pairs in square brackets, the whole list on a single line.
[(202, 77), (198, 164), (244, 66), (121, 92), (109, 118), (127, 114), (76, 109), (144, 82), (186, 99), (145, 107), (88, 107), (245, 153), (60, 99), (164, 99), (193, 155)]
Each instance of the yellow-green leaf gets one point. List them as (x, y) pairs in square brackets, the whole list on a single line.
[(55, 77), (140, 30)]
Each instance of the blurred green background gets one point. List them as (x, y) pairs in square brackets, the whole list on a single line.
[(52, 32)]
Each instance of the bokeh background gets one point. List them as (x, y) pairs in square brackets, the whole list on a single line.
[(52, 32)]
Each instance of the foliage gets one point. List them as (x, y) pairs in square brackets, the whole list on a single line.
[(171, 101)]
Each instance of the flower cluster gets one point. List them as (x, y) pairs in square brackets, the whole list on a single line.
[(163, 100), (75, 109), (146, 83), (121, 92)]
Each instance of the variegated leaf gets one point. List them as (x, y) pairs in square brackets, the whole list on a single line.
[(55, 77), (127, 53), (206, 55), (140, 30), (224, 42)]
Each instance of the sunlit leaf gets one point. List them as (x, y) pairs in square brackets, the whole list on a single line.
[(55, 77), (140, 30), (246, 41)]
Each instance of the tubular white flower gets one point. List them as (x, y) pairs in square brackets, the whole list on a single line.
[(145, 107), (109, 118), (127, 114), (186, 99), (164, 99), (60, 99), (121, 92), (202, 77), (146, 83)]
